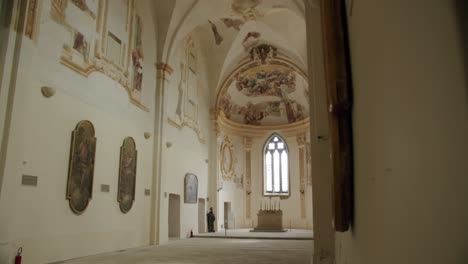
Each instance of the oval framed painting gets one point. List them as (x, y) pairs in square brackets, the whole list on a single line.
[(127, 175), (227, 158), (81, 167)]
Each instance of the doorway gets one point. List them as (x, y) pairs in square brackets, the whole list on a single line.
[(227, 215), (201, 215), (174, 216)]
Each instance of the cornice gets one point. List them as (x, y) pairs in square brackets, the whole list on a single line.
[(232, 128)]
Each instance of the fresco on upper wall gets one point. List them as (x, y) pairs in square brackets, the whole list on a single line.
[(137, 56), (105, 37), (266, 95), (247, 9), (88, 6), (261, 83)]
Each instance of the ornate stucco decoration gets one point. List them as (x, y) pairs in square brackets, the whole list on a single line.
[(227, 159), (247, 9), (33, 13), (263, 53), (95, 46), (187, 105)]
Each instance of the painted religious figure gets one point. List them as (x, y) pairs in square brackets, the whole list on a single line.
[(127, 174), (191, 188), (137, 56), (81, 168), (81, 45), (262, 83)]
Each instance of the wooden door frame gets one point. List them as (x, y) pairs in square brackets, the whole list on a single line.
[(339, 100)]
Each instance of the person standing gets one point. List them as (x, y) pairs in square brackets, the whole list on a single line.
[(211, 218)]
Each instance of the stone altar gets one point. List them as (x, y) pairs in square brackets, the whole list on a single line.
[(269, 220)]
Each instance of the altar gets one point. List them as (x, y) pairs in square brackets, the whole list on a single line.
[(269, 220)]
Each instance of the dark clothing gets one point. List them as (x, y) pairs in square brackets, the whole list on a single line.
[(211, 218)]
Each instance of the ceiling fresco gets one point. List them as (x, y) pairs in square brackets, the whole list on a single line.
[(266, 95)]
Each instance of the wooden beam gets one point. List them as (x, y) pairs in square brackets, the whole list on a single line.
[(339, 99)]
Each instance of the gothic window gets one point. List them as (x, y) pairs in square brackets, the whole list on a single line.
[(276, 166)]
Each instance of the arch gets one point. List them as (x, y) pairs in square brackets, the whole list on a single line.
[(276, 176)]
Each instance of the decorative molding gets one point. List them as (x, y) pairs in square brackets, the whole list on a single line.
[(263, 53), (181, 124), (302, 180), (187, 106), (57, 10), (308, 162), (33, 13), (227, 159), (90, 56), (236, 129), (301, 140), (163, 70)]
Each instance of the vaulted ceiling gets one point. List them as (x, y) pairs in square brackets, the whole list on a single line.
[(228, 30)]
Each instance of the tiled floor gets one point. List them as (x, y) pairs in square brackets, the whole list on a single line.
[(211, 251)]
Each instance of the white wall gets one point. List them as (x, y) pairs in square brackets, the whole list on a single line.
[(409, 63), (231, 191), (186, 154), (39, 218), (291, 206)]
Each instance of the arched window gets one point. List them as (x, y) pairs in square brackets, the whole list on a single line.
[(276, 166)]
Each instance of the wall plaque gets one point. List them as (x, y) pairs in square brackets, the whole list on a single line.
[(29, 180)]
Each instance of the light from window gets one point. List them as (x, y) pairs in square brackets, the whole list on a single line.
[(276, 171)]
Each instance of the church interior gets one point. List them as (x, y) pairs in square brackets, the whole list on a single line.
[(235, 131)]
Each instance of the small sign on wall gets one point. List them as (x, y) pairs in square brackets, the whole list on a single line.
[(105, 188), (29, 180), (147, 192)]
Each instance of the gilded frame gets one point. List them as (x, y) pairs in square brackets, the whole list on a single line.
[(227, 153), (127, 174), (81, 167)]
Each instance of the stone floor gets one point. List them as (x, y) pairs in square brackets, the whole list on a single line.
[(295, 234), (211, 251)]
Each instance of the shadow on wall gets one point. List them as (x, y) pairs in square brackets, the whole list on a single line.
[(462, 10)]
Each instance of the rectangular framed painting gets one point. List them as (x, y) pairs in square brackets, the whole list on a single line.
[(190, 188), (127, 175), (81, 167)]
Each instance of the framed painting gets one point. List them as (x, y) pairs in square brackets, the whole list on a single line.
[(127, 175), (227, 159), (81, 167), (191, 188)]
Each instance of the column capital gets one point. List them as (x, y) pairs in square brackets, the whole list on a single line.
[(163, 70), (301, 139), (248, 141)]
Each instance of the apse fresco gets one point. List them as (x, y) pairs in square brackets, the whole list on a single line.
[(261, 83), (266, 95)]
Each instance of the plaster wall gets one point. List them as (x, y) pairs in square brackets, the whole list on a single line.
[(39, 218), (409, 63), (233, 192), (186, 152), (291, 206)]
